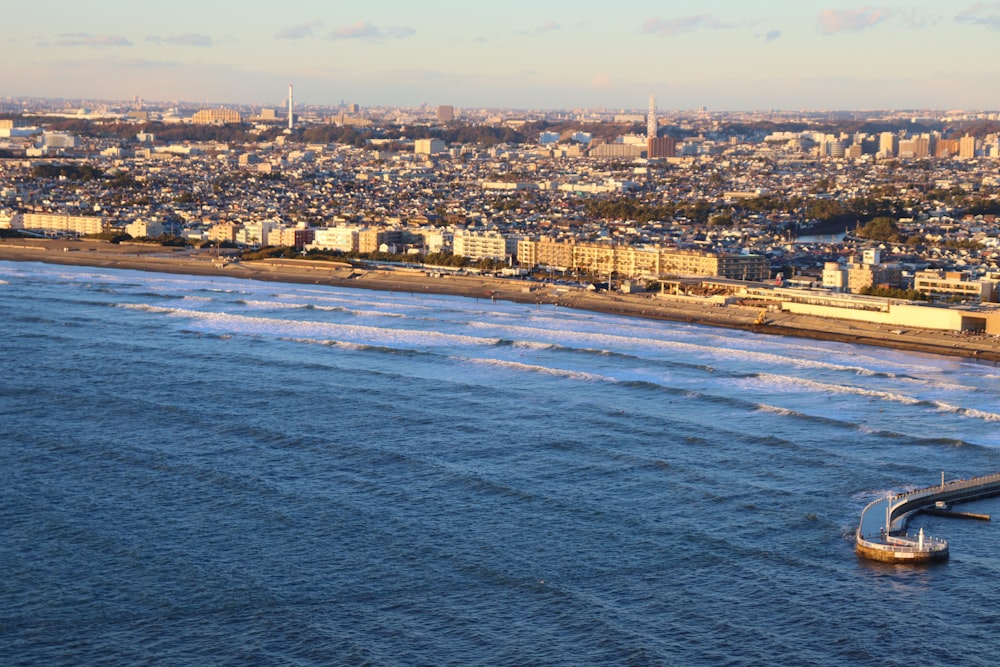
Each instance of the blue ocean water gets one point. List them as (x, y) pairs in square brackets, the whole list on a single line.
[(214, 471)]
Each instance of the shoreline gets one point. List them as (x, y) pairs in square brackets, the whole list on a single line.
[(646, 305)]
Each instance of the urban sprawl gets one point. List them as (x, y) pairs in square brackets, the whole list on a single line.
[(874, 214)]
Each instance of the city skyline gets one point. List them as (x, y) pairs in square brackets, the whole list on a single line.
[(719, 54)]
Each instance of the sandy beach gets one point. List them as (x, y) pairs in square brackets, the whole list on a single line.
[(648, 305)]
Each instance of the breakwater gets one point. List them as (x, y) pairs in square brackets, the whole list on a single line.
[(881, 534)]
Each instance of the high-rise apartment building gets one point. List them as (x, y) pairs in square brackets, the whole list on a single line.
[(445, 113), (888, 144), (659, 147), (967, 147), (651, 125)]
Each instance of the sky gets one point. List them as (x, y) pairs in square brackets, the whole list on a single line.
[(725, 55)]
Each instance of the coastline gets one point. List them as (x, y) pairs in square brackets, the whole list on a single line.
[(646, 305)]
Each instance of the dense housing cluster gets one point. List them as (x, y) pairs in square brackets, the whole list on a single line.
[(606, 196)]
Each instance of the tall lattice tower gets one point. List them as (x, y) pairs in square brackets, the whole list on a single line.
[(651, 126)]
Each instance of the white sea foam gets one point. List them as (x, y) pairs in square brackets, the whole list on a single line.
[(535, 368), (244, 324), (773, 409), (967, 412), (615, 341), (827, 388)]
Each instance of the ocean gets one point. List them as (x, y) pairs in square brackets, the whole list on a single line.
[(221, 472)]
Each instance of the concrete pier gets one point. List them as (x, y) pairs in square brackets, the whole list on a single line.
[(881, 534)]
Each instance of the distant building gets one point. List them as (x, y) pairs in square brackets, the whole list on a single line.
[(661, 147), (967, 147), (617, 150), (445, 113), (59, 140), (652, 127), (351, 120), (429, 146), (888, 144), (216, 117), (946, 148)]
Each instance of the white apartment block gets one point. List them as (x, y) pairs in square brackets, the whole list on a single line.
[(143, 229), (483, 245), (344, 239)]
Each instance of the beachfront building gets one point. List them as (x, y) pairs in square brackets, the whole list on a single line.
[(383, 239), (483, 245), (344, 239), (291, 237), (144, 229), (640, 262), (958, 285), (223, 232), (255, 233), (59, 224)]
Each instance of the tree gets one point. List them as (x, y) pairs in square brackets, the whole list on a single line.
[(880, 229)]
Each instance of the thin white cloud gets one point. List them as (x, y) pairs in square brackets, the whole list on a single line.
[(772, 35), (986, 14), (188, 39), (683, 24), (300, 31), (549, 26), (833, 21), (365, 30), (87, 39)]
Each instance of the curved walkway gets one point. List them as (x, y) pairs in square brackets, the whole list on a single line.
[(881, 532)]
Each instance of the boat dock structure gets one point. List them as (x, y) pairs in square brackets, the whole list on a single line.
[(882, 536)]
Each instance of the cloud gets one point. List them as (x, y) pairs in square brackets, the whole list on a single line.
[(300, 31), (365, 30), (549, 26), (833, 21), (682, 24), (772, 35), (188, 39), (985, 14), (86, 39)]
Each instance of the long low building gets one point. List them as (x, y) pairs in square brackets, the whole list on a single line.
[(638, 263), (878, 310), (58, 222)]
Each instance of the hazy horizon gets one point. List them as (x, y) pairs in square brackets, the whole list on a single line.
[(718, 54)]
